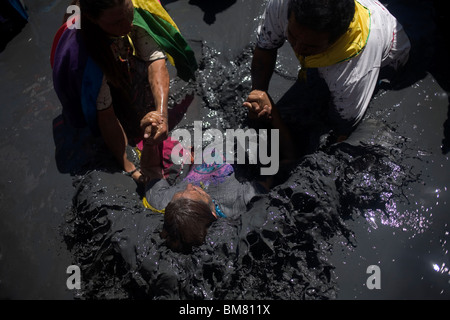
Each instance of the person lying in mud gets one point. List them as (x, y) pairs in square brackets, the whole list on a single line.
[(341, 46), (110, 73), (208, 192)]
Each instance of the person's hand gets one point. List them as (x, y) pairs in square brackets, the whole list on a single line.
[(140, 178), (137, 175), (151, 172), (155, 128), (259, 105)]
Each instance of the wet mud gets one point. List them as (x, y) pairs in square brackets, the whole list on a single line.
[(276, 250), (379, 198)]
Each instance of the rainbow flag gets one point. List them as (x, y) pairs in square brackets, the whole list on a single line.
[(77, 78), (152, 17)]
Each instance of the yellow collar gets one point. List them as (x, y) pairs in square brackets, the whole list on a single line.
[(348, 46)]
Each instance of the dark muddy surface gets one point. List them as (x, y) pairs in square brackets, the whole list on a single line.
[(379, 199)]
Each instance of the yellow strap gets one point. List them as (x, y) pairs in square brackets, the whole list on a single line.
[(131, 44), (139, 153), (149, 206), (144, 200)]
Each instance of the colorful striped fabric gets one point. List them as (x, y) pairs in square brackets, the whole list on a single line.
[(76, 78), (152, 17)]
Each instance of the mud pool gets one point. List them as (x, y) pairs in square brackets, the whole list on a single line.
[(381, 198)]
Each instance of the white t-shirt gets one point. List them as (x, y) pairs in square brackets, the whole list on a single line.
[(352, 82)]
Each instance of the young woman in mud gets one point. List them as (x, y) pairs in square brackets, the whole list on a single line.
[(208, 193), (341, 47), (111, 74), (198, 198)]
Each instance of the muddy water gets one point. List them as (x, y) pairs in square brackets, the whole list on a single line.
[(379, 199)]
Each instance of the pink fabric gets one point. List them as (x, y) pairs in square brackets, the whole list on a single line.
[(166, 148)]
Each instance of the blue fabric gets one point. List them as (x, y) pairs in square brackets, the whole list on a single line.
[(18, 6), (90, 88), (68, 72), (77, 80), (219, 212)]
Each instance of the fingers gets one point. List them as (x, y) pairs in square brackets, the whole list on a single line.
[(155, 135), (140, 178), (153, 124), (160, 135), (254, 105), (152, 119), (247, 104), (266, 113), (259, 105), (258, 96), (253, 110)]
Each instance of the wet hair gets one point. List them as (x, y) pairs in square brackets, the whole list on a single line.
[(186, 224), (332, 16), (95, 8)]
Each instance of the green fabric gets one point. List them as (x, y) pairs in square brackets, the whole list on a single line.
[(170, 40)]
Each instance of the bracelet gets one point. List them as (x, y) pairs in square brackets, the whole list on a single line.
[(130, 174)]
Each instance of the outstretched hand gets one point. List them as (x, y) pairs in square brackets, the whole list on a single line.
[(140, 178), (155, 128), (259, 105)]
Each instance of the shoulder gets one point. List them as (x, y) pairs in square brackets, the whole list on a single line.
[(381, 17), (272, 30), (158, 193), (277, 8), (138, 34), (146, 47)]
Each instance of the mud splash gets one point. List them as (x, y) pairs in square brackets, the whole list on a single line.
[(277, 250)]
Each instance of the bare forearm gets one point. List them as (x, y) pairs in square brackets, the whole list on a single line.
[(158, 77), (263, 65), (287, 147), (155, 123), (114, 137), (151, 165)]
